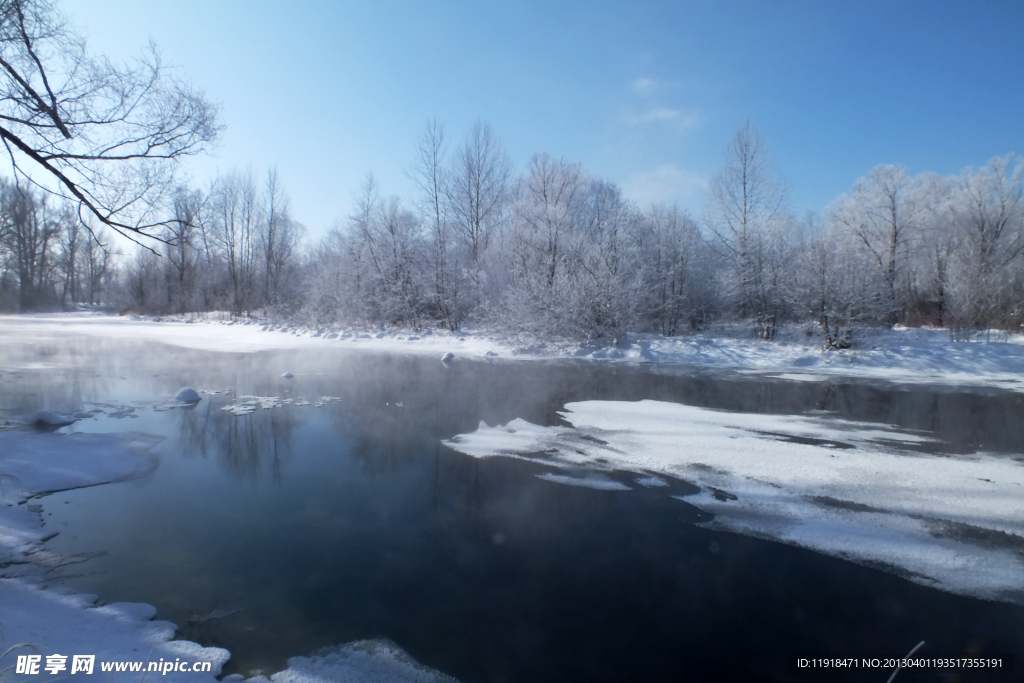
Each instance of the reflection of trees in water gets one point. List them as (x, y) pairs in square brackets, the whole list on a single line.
[(245, 445)]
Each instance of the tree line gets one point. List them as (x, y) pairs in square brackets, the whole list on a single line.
[(558, 251), (555, 251)]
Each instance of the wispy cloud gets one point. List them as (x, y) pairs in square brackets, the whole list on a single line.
[(678, 118), (645, 86), (664, 184)]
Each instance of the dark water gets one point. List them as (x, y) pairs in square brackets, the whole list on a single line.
[(297, 527)]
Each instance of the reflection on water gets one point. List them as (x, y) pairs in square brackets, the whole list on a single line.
[(300, 526)]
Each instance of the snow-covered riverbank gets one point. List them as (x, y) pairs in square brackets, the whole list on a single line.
[(913, 356)]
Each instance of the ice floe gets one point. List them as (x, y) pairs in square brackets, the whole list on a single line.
[(860, 491)]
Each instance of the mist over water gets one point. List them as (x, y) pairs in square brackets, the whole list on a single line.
[(302, 526)]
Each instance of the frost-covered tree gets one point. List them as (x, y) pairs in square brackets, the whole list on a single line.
[(884, 215), (448, 300), (680, 270), (749, 226), (983, 282), (477, 190)]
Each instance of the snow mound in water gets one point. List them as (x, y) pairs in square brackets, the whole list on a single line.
[(287, 375), (187, 395), (448, 357), (364, 661), (47, 418)]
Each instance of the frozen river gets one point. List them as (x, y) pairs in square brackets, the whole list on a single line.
[(708, 529)]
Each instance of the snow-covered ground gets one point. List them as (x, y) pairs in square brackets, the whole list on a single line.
[(857, 491), (915, 356)]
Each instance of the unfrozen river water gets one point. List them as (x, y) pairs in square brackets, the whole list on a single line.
[(339, 515)]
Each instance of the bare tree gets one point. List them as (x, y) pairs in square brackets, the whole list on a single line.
[(429, 174), (99, 134), (279, 237), (70, 238), (97, 268), (478, 189), (182, 235), (747, 223), (679, 272)]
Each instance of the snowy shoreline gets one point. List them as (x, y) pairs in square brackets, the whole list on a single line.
[(901, 355)]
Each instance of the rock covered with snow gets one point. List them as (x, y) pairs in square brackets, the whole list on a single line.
[(448, 357), (187, 395), (287, 375), (47, 418)]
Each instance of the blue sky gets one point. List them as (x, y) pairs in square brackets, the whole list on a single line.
[(647, 94)]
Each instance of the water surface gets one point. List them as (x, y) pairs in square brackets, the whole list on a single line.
[(302, 526)]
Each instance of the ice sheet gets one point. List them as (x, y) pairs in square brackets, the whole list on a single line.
[(853, 490)]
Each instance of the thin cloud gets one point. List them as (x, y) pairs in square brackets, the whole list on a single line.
[(644, 86), (679, 118), (664, 184)]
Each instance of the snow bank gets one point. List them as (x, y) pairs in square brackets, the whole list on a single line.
[(48, 622), (852, 490), (364, 661), (915, 356)]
